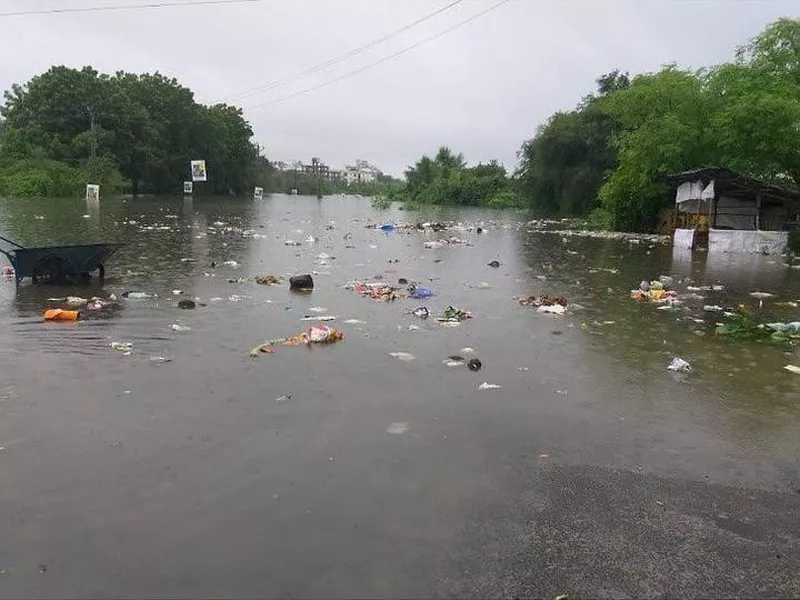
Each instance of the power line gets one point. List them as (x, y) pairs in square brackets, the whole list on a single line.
[(382, 60), (85, 9), (350, 53)]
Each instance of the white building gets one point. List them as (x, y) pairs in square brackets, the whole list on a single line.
[(361, 172)]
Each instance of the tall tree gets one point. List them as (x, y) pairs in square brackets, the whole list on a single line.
[(562, 167)]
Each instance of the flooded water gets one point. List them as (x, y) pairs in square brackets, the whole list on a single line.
[(342, 470)]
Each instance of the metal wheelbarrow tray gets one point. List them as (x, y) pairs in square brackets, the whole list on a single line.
[(58, 264)]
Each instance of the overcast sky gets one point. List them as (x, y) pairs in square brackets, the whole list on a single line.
[(481, 89)]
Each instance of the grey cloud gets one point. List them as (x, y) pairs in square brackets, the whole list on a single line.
[(481, 89)]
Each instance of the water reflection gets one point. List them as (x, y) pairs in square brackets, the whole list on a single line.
[(640, 340), (620, 347)]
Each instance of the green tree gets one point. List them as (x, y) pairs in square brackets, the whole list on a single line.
[(446, 179), (136, 131), (562, 167), (664, 121)]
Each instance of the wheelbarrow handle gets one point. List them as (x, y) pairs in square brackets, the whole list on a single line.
[(8, 241)]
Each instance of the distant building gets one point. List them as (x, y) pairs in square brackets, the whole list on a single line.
[(318, 168), (361, 172)]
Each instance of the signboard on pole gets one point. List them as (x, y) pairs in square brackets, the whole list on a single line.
[(199, 172), (92, 191), (258, 193), (188, 186)]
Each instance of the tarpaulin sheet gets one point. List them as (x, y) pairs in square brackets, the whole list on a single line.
[(683, 238), (747, 242)]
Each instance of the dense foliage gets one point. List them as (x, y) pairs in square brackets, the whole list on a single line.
[(68, 127), (611, 153), (446, 179)]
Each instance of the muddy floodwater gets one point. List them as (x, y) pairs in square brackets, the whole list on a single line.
[(180, 466)]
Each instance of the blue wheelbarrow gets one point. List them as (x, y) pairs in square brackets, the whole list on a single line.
[(57, 264)]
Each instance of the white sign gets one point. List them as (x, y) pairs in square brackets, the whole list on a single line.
[(187, 187), (92, 192), (258, 193), (199, 172)]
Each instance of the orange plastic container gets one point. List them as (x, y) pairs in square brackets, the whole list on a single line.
[(59, 314)]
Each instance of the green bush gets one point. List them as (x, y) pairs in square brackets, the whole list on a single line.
[(600, 219), (41, 177), (49, 178)]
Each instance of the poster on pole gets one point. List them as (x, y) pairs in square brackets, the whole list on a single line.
[(92, 192), (188, 186), (258, 193), (199, 172)]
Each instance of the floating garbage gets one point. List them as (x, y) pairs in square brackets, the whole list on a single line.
[(125, 347), (654, 291), (387, 228), (678, 364), (761, 295), (793, 369), (397, 428), (791, 327), (474, 364), (231, 263), (179, 327), (186, 304), (354, 322), (454, 314), (494, 264), (322, 318), (314, 335), (489, 386), (404, 356), (266, 280), (434, 245), (453, 361), (138, 295), (422, 312), (76, 301), (543, 300), (292, 243), (420, 292), (59, 314), (159, 359), (301, 283), (376, 290), (282, 399), (712, 308), (554, 309), (467, 350)]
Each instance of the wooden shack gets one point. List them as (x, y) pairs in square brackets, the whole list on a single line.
[(740, 213)]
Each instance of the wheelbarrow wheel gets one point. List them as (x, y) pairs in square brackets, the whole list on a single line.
[(49, 270)]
